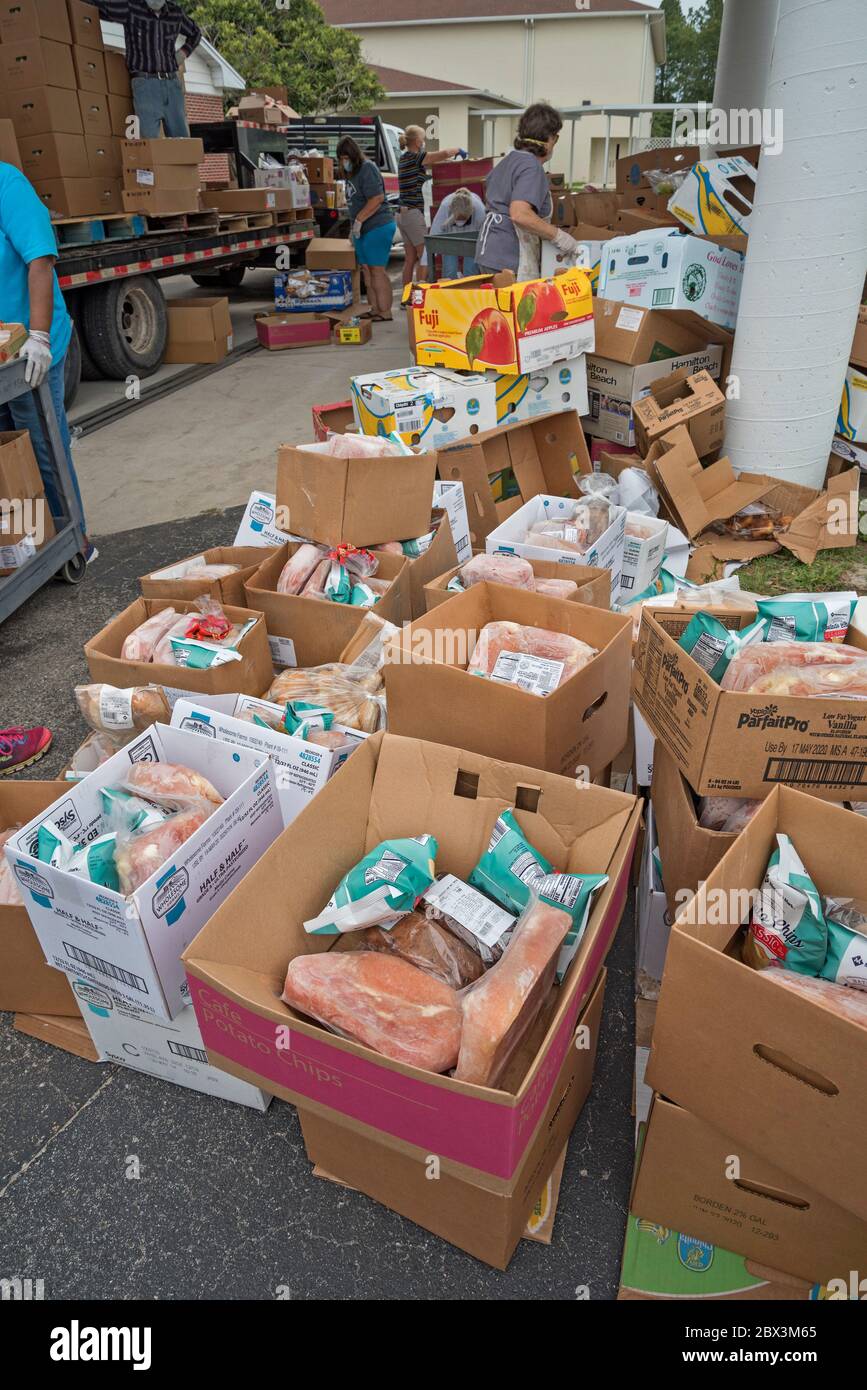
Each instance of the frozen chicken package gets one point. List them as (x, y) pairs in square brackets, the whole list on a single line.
[(534, 659), (425, 943), (799, 668), (112, 710), (140, 644), (139, 855), (381, 889)]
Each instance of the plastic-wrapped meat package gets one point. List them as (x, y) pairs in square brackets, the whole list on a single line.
[(389, 548), (850, 1004), (97, 748), (314, 585), (139, 856), (500, 644), (590, 520), (212, 571), (381, 1001), (728, 814), (139, 645), (642, 531), (9, 894), (299, 568), (172, 785), (107, 708), (329, 738), (557, 588), (500, 1008), (799, 668), (498, 569), (354, 446), (351, 703), (424, 943)]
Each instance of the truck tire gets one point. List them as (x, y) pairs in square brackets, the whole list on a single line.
[(125, 325), (72, 369), (229, 278), (74, 302)]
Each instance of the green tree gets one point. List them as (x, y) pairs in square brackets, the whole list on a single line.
[(692, 44), (288, 43)]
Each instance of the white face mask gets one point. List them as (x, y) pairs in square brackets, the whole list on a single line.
[(156, 5), (347, 165)]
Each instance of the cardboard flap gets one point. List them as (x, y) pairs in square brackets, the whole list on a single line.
[(699, 496), (830, 522)]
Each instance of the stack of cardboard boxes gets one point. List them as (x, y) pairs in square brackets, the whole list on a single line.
[(450, 174), (25, 521), (69, 102), (161, 177)]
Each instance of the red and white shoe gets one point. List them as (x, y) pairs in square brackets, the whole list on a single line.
[(20, 747)]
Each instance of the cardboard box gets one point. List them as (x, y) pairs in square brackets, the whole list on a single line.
[(180, 580), (24, 532), (88, 197), (54, 157), (27, 63), (450, 497), (200, 330), (548, 391), (427, 409), (779, 1073), (13, 336), (163, 178), (172, 1051), (716, 197), (688, 852), (643, 554), (634, 347), (103, 156), (118, 113), (594, 585), (509, 538), (309, 631), (89, 70), (440, 555), (117, 74), (258, 526), (633, 221), (582, 724), (682, 398), (85, 25), (591, 243), (251, 675), (764, 1212), (353, 334), (160, 202), (668, 270), (365, 501), (34, 19), (9, 144), (19, 472), (479, 1214), (468, 324), (738, 744), (319, 170), (43, 110), (858, 354), (631, 170), (852, 417), (336, 417), (397, 786), (279, 331), (96, 118), (26, 982), (159, 153), (542, 455), (301, 769), (333, 290), (70, 1034), (653, 919), (330, 253), (133, 944), (251, 199), (598, 208)]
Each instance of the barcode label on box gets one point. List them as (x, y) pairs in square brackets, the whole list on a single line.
[(192, 1054), (663, 297), (105, 967), (820, 772)]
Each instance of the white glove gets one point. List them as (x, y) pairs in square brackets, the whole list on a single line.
[(357, 227), (37, 354), (565, 243)]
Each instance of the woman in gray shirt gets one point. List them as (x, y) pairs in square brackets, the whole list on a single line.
[(518, 200)]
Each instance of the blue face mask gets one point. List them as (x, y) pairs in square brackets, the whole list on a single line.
[(347, 165)]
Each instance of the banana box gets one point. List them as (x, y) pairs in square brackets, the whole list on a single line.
[(716, 197), (471, 325), (547, 391), (852, 419), (427, 409), (660, 269), (591, 246)]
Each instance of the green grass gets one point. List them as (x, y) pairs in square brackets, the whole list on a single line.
[(783, 574)]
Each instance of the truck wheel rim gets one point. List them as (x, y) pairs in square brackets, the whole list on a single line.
[(137, 320)]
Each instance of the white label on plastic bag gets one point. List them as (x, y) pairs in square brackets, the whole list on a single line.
[(483, 919), (145, 177), (282, 651), (708, 650), (115, 708), (782, 628), (535, 674), (630, 319)]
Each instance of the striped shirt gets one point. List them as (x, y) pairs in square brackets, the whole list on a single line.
[(151, 35), (411, 178)]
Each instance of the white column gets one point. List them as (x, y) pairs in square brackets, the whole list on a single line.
[(807, 253), (744, 58)]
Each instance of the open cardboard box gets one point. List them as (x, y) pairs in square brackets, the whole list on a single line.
[(743, 744), (689, 853), (181, 581), (544, 455), (652, 264), (474, 1211), (397, 787), (716, 197), (431, 695), (310, 631), (764, 1213), (250, 676), (594, 585), (781, 1074), (27, 983), (133, 943), (512, 537), (361, 501), (687, 398)]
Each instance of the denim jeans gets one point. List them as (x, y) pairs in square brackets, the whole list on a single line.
[(450, 267), (21, 414), (160, 99)]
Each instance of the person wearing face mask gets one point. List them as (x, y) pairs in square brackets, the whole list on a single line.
[(151, 29), (461, 211), (518, 200), (372, 226), (411, 176), (30, 294)]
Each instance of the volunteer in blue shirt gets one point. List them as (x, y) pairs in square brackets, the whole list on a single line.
[(373, 225), (30, 294)]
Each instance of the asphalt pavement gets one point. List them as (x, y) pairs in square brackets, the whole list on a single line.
[(224, 1205)]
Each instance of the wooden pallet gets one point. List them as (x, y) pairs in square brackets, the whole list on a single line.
[(259, 220), (207, 221), (284, 217), (87, 231), (233, 222)]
